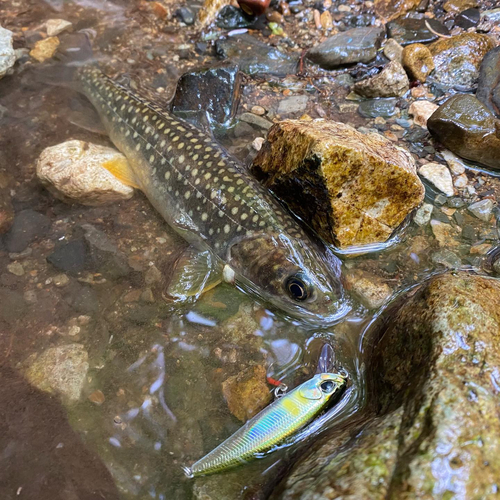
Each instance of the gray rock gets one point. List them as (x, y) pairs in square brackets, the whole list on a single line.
[(70, 257), (488, 87), (12, 306), (60, 370), (185, 14), (7, 53), (423, 214), (28, 225), (378, 107), (409, 30), (256, 121), (482, 209), (292, 105), (352, 46), (446, 258), (468, 18), (392, 81)]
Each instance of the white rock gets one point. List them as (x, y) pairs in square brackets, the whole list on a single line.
[(423, 214), (482, 209), (456, 165), (73, 171), (439, 176), (257, 143), (7, 53), (56, 26), (461, 181), (421, 111)]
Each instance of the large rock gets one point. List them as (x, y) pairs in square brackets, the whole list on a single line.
[(488, 88), (390, 82), (351, 46), (75, 172), (433, 384), (352, 188), (457, 59), (7, 54), (467, 128)]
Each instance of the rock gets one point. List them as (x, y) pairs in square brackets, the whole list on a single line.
[(152, 275), (455, 164), (60, 280), (7, 53), (421, 111), (60, 370), (391, 9), (492, 16), (16, 268), (393, 51), (209, 11), (408, 30), (457, 59), (439, 176), (432, 382), (488, 88), (28, 226), (445, 234), (231, 17), (6, 211), (418, 61), (74, 172), (256, 121), (56, 26), (257, 143), (423, 214), (254, 57), (293, 105), (12, 306), (45, 49), (372, 291), (70, 257), (351, 188), (390, 82), (468, 18), (185, 14), (212, 91), (459, 5), (378, 107), (446, 258), (482, 209), (247, 393), (351, 46), (465, 126), (254, 7)]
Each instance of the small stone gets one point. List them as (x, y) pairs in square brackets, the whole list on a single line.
[(254, 7), (185, 14), (257, 143), (256, 121), (390, 82), (30, 297), (370, 289), (461, 181), (60, 370), (482, 209), (74, 171), (326, 20), (344, 8), (459, 5), (408, 30), (385, 107), (293, 105), (231, 17), (147, 296), (7, 53), (56, 26), (422, 111), (418, 61), (45, 49), (393, 50), (445, 234), (97, 397), (15, 268), (423, 214), (247, 393), (455, 164), (391, 9), (258, 110), (70, 257), (28, 226), (152, 275), (447, 258), (439, 176), (468, 18), (481, 249)]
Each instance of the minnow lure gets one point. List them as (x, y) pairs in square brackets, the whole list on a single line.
[(271, 426)]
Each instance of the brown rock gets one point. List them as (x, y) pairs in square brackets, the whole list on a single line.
[(351, 188), (371, 290), (418, 62), (421, 111), (392, 9), (45, 49), (254, 7), (247, 393), (459, 5), (390, 82)]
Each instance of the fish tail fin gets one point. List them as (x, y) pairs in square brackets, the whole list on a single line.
[(74, 51), (188, 472)]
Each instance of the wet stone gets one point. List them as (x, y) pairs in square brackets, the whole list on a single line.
[(254, 7), (409, 30), (256, 121), (482, 209), (231, 17), (439, 176), (392, 9), (28, 226), (488, 88), (393, 50), (70, 257), (7, 53), (418, 61), (293, 105), (185, 14), (390, 82), (422, 111), (45, 49), (352, 46), (468, 18), (378, 107), (56, 26), (445, 234), (459, 5), (371, 290), (423, 214), (254, 57)]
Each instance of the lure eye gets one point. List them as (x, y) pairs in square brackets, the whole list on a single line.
[(296, 288), (327, 386)]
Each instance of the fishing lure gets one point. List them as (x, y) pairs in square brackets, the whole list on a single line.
[(271, 426)]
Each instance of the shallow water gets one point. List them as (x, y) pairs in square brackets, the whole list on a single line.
[(152, 398)]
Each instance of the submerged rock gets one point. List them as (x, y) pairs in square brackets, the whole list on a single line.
[(247, 393), (457, 59), (56, 26), (439, 176), (211, 91), (351, 46), (468, 128), (6, 211), (7, 53), (433, 382), (390, 82), (373, 108), (28, 226), (407, 30), (488, 87), (351, 188), (60, 370), (45, 49), (75, 172), (418, 61), (371, 290)]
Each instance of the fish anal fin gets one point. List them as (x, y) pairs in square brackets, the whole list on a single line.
[(122, 170), (195, 272)]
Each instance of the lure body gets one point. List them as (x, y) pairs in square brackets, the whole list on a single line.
[(271, 426)]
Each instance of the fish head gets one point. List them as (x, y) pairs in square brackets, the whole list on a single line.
[(292, 275), (322, 386)]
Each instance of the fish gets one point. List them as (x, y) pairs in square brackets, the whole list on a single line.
[(270, 428), (237, 231)]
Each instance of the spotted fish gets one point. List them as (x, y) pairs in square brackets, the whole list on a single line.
[(272, 425), (237, 231)]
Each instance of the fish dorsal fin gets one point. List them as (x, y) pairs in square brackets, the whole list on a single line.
[(310, 391), (195, 272), (122, 170)]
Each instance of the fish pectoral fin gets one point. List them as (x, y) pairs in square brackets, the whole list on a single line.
[(84, 115), (195, 273), (122, 170)]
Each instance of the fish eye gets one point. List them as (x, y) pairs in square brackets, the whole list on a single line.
[(296, 288), (327, 386)]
